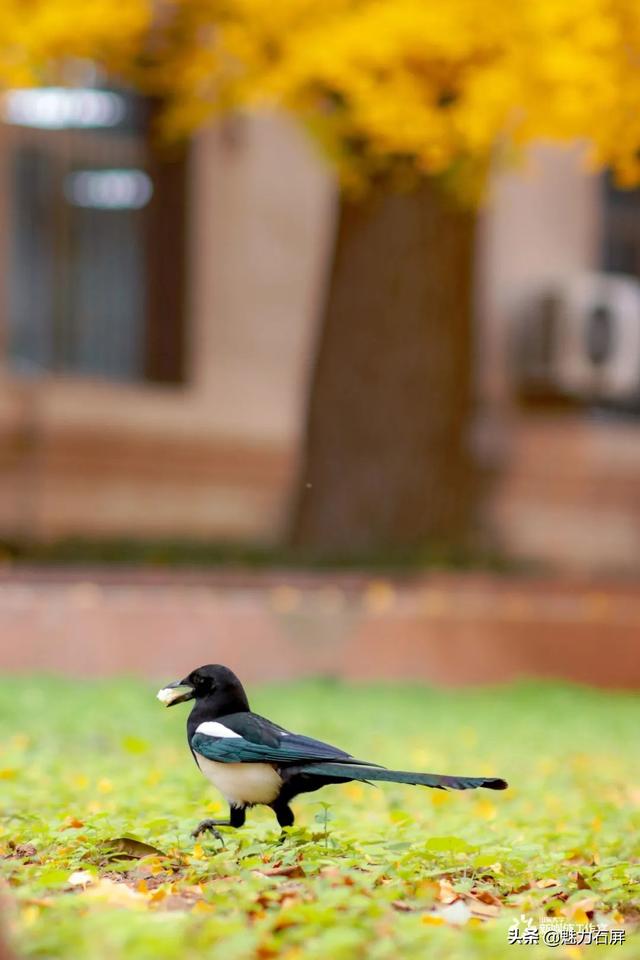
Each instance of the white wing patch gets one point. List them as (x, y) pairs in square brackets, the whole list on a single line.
[(211, 728)]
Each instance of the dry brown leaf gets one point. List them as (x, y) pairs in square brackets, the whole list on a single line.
[(486, 897), (447, 894), (125, 848), (294, 870), (402, 906), (481, 909)]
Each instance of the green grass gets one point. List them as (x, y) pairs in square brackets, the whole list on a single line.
[(369, 875), (219, 555)]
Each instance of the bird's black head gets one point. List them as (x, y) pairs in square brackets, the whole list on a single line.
[(213, 685)]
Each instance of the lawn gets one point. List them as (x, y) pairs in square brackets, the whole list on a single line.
[(382, 872)]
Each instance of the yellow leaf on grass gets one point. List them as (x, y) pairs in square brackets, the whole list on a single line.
[(104, 785), (9, 773), (115, 894), (202, 907), (432, 919), (29, 915), (354, 791), (440, 798), (72, 823), (485, 809), (198, 853), (428, 889)]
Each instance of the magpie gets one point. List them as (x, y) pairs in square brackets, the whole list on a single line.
[(252, 760)]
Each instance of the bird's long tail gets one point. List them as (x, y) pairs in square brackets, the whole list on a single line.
[(354, 771)]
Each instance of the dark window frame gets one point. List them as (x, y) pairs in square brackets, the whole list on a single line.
[(161, 228)]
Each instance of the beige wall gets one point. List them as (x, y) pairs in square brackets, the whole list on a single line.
[(568, 484), (259, 249), (541, 222)]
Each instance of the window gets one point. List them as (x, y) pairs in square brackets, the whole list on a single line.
[(621, 229), (96, 269)]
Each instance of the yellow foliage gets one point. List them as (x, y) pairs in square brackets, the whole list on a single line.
[(415, 86), (389, 87), (39, 38)]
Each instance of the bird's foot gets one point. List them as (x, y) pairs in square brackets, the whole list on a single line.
[(285, 834), (208, 826)]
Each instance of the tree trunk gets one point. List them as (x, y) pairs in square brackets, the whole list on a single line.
[(386, 467)]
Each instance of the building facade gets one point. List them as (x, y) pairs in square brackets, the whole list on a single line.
[(158, 319)]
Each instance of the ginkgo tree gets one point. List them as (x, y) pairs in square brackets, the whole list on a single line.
[(40, 38), (414, 102)]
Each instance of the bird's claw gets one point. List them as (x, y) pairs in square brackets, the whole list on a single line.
[(207, 826)]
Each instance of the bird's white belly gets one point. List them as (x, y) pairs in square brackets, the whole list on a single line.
[(242, 783)]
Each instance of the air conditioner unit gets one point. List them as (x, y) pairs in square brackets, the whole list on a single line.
[(580, 338)]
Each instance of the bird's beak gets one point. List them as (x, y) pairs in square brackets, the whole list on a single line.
[(176, 692)]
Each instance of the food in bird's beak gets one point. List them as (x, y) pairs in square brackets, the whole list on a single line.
[(175, 693)]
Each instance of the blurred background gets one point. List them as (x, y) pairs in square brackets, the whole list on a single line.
[(204, 458)]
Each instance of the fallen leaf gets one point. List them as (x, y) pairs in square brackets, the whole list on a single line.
[(72, 823), (124, 848), (295, 870), (116, 894), (479, 908), (447, 894), (581, 883), (202, 907), (25, 850), (485, 896)]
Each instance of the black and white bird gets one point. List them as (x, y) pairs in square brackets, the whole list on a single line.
[(252, 760)]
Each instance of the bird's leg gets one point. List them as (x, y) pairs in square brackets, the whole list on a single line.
[(284, 815), (237, 816)]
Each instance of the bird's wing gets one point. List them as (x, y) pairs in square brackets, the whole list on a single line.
[(249, 738)]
